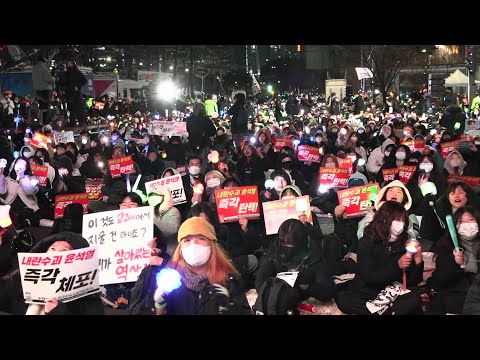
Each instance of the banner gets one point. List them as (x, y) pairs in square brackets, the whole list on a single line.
[(40, 141), (61, 201), (448, 147), (364, 73), (41, 173), (63, 137), (173, 183), (123, 165), (122, 237), (276, 212), (333, 177), (389, 174), (308, 153), (93, 187), (98, 105), (405, 173), (64, 275), (237, 203), (358, 199), (168, 128), (281, 142), (346, 164), (469, 180), (144, 77)]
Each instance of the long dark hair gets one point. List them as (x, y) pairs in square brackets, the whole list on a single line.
[(445, 243), (434, 174), (379, 228), (205, 208), (444, 201), (292, 245)]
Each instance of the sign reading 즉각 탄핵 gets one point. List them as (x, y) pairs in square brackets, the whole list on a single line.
[(122, 237)]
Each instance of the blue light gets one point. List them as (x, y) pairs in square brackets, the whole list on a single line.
[(168, 280)]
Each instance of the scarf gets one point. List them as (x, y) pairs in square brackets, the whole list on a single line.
[(194, 282), (469, 257)]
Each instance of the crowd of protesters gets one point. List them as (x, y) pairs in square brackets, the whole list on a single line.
[(234, 144)]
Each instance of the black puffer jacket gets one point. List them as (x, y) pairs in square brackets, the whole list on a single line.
[(451, 116)]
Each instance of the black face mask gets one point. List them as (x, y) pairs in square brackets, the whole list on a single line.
[(287, 165), (287, 253)]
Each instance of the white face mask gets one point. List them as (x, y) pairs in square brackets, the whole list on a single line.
[(27, 154), (400, 155), (84, 141), (387, 153), (468, 231), (212, 183), (194, 170), (428, 167), (196, 255), (360, 131), (396, 229)]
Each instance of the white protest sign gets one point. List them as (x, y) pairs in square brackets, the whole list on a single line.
[(289, 277), (122, 237), (64, 275), (168, 128), (63, 137), (173, 183)]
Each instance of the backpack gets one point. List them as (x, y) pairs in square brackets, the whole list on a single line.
[(277, 297), (141, 298)]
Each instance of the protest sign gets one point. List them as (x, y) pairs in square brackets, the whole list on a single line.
[(41, 173), (119, 166), (333, 177), (276, 212), (93, 186), (61, 201), (63, 137), (173, 183), (357, 199), (308, 153), (237, 203)]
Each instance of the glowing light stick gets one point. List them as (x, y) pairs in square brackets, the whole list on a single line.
[(168, 280)]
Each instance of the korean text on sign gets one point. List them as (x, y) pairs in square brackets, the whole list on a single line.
[(173, 183), (61, 201), (41, 173), (276, 212), (469, 180), (357, 199), (237, 203), (168, 128), (448, 147), (405, 173), (122, 237), (281, 142), (346, 164), (333, 177), (40, 141), (308, 153), (389, 174), (64, 275), (63, 137), (93, 186), (121, 166)]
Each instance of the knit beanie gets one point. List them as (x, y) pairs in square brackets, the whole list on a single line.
[(196, 226)]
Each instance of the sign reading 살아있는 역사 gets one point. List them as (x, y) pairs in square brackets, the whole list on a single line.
[(122, 237), (64, 275)]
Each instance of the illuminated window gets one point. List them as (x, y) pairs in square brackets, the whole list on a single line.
[(299, 48)]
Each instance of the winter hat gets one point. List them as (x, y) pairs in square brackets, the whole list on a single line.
[(357, 179), (47, 128), (283, 174), (294, 188), (75, 240), (196, 226)]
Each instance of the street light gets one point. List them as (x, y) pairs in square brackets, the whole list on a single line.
[(186, 70), (109, 59)]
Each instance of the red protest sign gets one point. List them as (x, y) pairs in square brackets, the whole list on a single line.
[(448, 147), (61, 201), (346, 164), (469, 180), (410, 144), (389, 174), (308, 153), (281, 142), (93, 186), (236, 203), (40, 141), (123, 165), (41, 173), (405, 173), (357, 199), (418, 145), (333, 177), (276, 212)]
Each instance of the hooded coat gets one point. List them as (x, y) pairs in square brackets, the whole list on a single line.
[(413, 227), (449, 169), (375, 160)]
